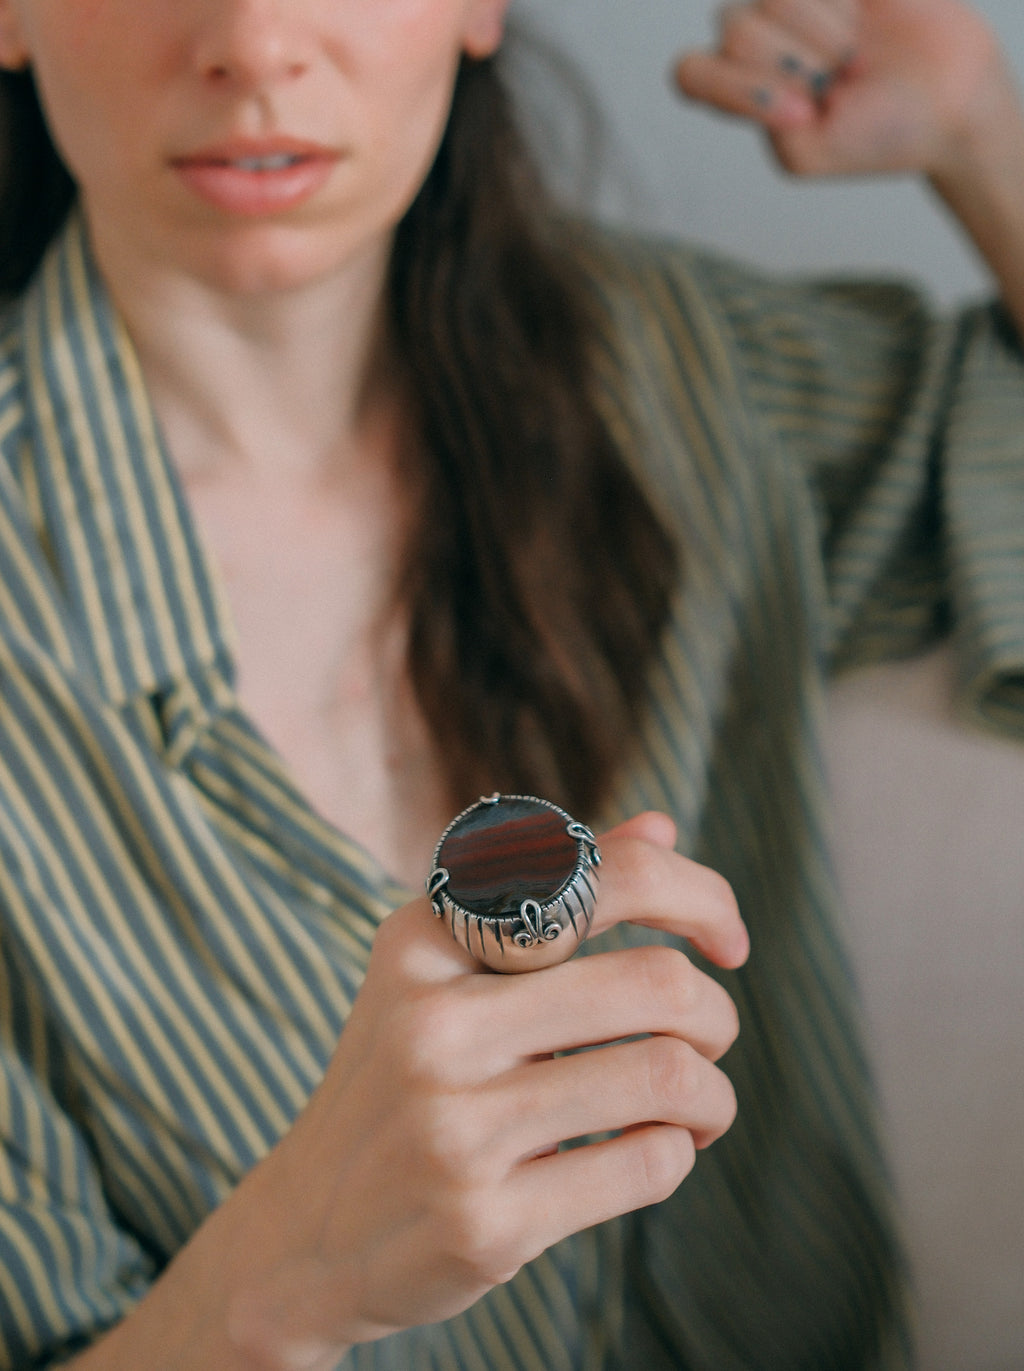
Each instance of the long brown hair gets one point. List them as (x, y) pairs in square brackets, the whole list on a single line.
[(538, 577), (36, 191)]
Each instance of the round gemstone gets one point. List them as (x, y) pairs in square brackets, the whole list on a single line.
[(503, 852)]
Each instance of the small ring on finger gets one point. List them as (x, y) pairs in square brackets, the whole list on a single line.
[(818, 80)]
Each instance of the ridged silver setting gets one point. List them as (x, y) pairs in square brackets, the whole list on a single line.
[(538, 933)]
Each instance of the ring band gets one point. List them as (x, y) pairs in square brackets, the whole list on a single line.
[(516, 879)]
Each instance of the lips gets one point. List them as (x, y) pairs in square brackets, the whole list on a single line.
[(257, 178)]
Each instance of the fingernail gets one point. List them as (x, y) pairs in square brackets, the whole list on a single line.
[(820, 82), (791, 64)]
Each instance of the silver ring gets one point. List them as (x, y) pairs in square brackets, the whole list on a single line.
[(516, 879)]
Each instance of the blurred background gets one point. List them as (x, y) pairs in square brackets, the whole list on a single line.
[(928, 812)]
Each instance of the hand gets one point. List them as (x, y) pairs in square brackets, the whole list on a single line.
[(424, 1169), (856, 86)]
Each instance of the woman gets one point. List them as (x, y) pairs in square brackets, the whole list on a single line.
[(438, 459)]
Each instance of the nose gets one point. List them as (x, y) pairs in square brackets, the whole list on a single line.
[(252, 43)]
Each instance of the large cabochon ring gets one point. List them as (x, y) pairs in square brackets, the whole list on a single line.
[(515, 877)]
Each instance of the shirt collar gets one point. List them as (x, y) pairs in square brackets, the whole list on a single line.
[(125, 546)]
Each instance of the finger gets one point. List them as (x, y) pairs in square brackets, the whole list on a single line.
[(828, 28), (572, 1190), (651, 826), (644, 883), (431, 956), (642, 880), (600, 999), (755, 43), (769, 99), (651, 1080), (483, 1242)]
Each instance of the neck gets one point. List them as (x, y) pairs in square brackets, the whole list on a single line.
[(271, 385)]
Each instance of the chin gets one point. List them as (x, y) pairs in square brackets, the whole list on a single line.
[(270, 259)]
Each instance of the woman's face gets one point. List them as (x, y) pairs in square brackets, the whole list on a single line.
[(255, 144)]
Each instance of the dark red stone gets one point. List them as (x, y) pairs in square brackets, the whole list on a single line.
[(503, 853)]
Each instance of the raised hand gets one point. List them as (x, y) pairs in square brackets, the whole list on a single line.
[(852, 86), (849, 87)]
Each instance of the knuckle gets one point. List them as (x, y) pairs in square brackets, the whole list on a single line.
[(664, 1157), (730, 1104), (671, 1071), (393, 941), (479, 1240), (444, 1137), (418, 1032), (638, 869), (732, 25), (721, 893), (731, 1021), (717, 1104), (781, 12), (667, 975), (720, 1112), (428, 1034)]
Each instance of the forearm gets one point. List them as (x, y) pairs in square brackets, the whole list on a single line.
[(982, 183), (200, 1315)]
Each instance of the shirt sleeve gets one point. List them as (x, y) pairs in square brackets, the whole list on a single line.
[(908, 428), (68, 1270)]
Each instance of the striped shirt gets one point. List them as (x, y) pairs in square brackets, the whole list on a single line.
[(181, 935)]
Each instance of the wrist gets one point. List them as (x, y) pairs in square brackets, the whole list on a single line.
[(983, 149), (229, 1300), (980, 178), (284, 1308)]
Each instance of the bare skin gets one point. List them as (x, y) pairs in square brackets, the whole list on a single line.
[(321, 651), (290, 457), (309, 555), (258, 343)]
